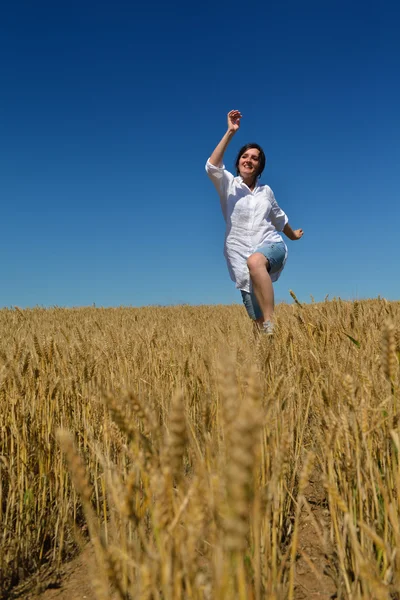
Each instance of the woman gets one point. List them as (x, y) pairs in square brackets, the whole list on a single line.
[(254, 250)]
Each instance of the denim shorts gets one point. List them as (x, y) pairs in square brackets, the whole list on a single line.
[(275, 252)]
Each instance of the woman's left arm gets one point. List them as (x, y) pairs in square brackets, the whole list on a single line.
[(295, 234)]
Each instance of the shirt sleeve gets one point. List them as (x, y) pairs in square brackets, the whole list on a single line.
[(278, 217), (221, 179)]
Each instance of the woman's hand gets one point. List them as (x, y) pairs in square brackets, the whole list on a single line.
[(293, 234), (297, 234), (234, 117), (217, 156)]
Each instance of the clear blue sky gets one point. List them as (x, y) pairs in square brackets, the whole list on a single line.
[(109, 110)]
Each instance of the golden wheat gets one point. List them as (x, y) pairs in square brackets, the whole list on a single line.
[(197, 493)]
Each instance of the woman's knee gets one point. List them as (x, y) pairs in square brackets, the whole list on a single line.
[(257, 261)]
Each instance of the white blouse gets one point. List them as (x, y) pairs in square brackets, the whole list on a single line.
[(253, 219)]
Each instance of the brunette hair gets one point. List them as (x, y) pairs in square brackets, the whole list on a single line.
[(262, 159)]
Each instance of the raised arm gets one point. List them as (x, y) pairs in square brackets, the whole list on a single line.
[(217, 156)]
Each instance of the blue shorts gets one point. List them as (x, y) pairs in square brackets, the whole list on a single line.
[(275, 252)]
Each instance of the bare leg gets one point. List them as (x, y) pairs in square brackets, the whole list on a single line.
[(262, 285)]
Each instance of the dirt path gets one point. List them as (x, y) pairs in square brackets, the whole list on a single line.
[(311, 583), (314, 562), (72, 583)]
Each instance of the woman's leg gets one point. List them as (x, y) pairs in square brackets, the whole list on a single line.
[(262, 285)]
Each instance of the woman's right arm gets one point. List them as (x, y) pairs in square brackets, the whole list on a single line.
[(217, 157)]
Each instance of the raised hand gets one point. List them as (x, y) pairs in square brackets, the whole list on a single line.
[(234, 117), (217, 156)]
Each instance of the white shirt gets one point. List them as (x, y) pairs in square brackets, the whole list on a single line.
[(253, 219)]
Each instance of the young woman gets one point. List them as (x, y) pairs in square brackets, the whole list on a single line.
[(254, 249)]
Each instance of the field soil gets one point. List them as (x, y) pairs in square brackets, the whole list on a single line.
[(314, 563), (72, 582), (312, 582)]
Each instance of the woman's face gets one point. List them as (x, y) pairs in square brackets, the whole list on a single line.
[(249, 163)]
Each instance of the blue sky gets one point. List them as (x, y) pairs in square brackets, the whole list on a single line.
[(109, 111)]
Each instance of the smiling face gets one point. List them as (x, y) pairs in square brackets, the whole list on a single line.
[(249, 163)]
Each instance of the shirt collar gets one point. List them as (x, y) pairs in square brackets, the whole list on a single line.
[(240, 180)]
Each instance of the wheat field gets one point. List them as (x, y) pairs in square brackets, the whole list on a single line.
[(182, 445)]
